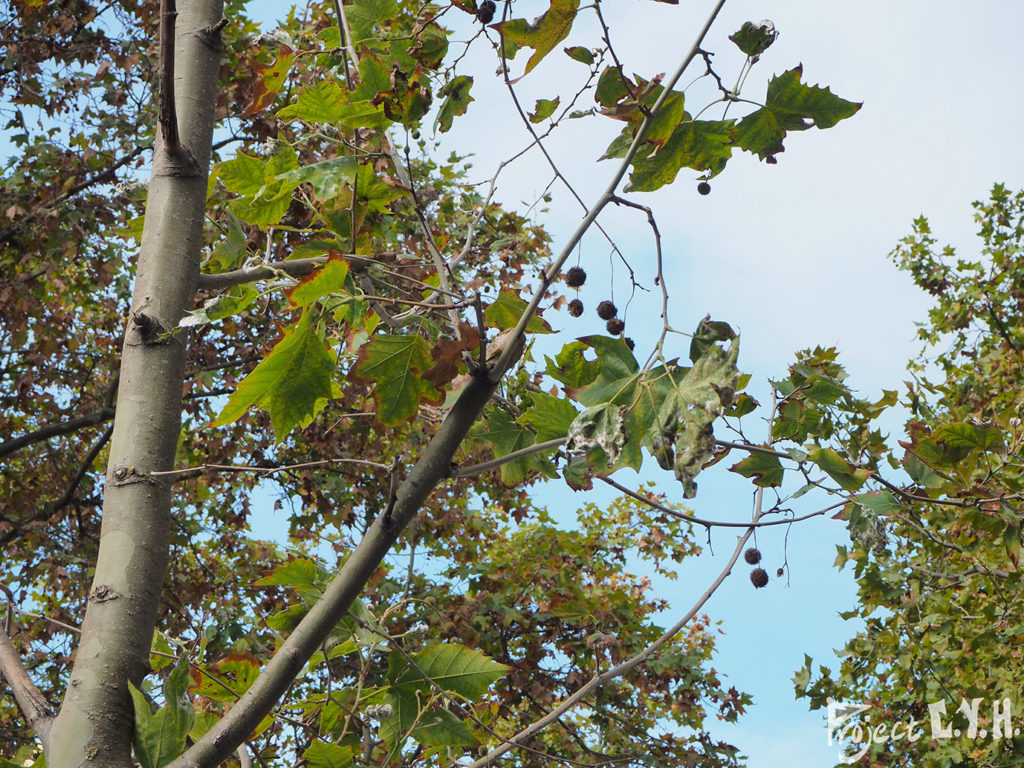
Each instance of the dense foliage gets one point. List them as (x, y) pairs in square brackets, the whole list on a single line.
[(939, 563), (355, 289)]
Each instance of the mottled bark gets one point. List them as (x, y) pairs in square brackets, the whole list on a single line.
[(94, 725)]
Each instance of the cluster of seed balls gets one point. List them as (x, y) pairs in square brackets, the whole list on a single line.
[(574, 278), (758, 576)]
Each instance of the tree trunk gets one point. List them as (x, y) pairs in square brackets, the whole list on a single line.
[(94, 725)]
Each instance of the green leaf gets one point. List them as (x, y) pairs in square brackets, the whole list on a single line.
[(230, 252), (619, 373), (327, 101), (570, 366), (544, 33), (708, 333), (506, 310), (611, 89), (320, 754), (365, 15), (300, 572), (877, 502), (765, 470), (544, 109), (326, 178), (159, 736), (293, 383), (455, 669), (790, 106), (580, 54), (549, 416), (456, 101), (395, 364), (330, 278), (704, 145), (441, 728), (754, 39), (849, 477), (506, 436)]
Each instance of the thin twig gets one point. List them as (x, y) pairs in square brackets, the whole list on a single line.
[(202, 469)]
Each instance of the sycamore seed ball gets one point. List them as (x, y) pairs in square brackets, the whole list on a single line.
[(575, 277), (759, 578)]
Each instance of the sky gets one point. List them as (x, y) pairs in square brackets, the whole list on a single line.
[(792, 255)]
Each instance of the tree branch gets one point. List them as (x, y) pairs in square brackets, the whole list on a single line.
[(105, 413), (33, 704), (620, 669), (503, 362), (434, 465)]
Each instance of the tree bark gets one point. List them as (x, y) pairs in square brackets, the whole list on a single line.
[(94, 725)]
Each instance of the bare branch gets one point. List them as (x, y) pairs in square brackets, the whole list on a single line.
[(54, 430), (33, 704), (476, 469), (552, 272), (189, 472)]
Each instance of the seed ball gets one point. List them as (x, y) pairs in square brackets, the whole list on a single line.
[(575, 307), (752, 556), (606, 310), (485, 11), (704, 188), (575, 277), (629, 343), (415, 135), (771, 160), (615, 326), (779, 572), (759, 578)]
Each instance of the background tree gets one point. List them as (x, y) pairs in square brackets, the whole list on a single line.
[(376, 309), (938, 566)]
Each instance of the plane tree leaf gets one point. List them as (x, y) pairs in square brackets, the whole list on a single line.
[(765, 470), (293, 382), (544, 33), (790, 106), (394, 365)]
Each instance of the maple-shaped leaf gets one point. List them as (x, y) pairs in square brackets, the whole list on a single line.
[(448, 354), (326, 177), (506, 310), (549, 416), (704, 145), (849, 477), (394, 365), (456, 101), (293, 383), (790, 106), (330, 278), (269, 79), (505, 436), (544, 33), (766, 470)]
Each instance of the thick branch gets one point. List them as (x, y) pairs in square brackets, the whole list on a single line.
[(54, 430), (33, 704), (292, 268), (434, 465)]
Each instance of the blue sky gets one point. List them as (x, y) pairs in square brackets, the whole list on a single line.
[(793, 255)]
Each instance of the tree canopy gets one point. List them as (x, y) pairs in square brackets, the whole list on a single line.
[(309, 299)]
